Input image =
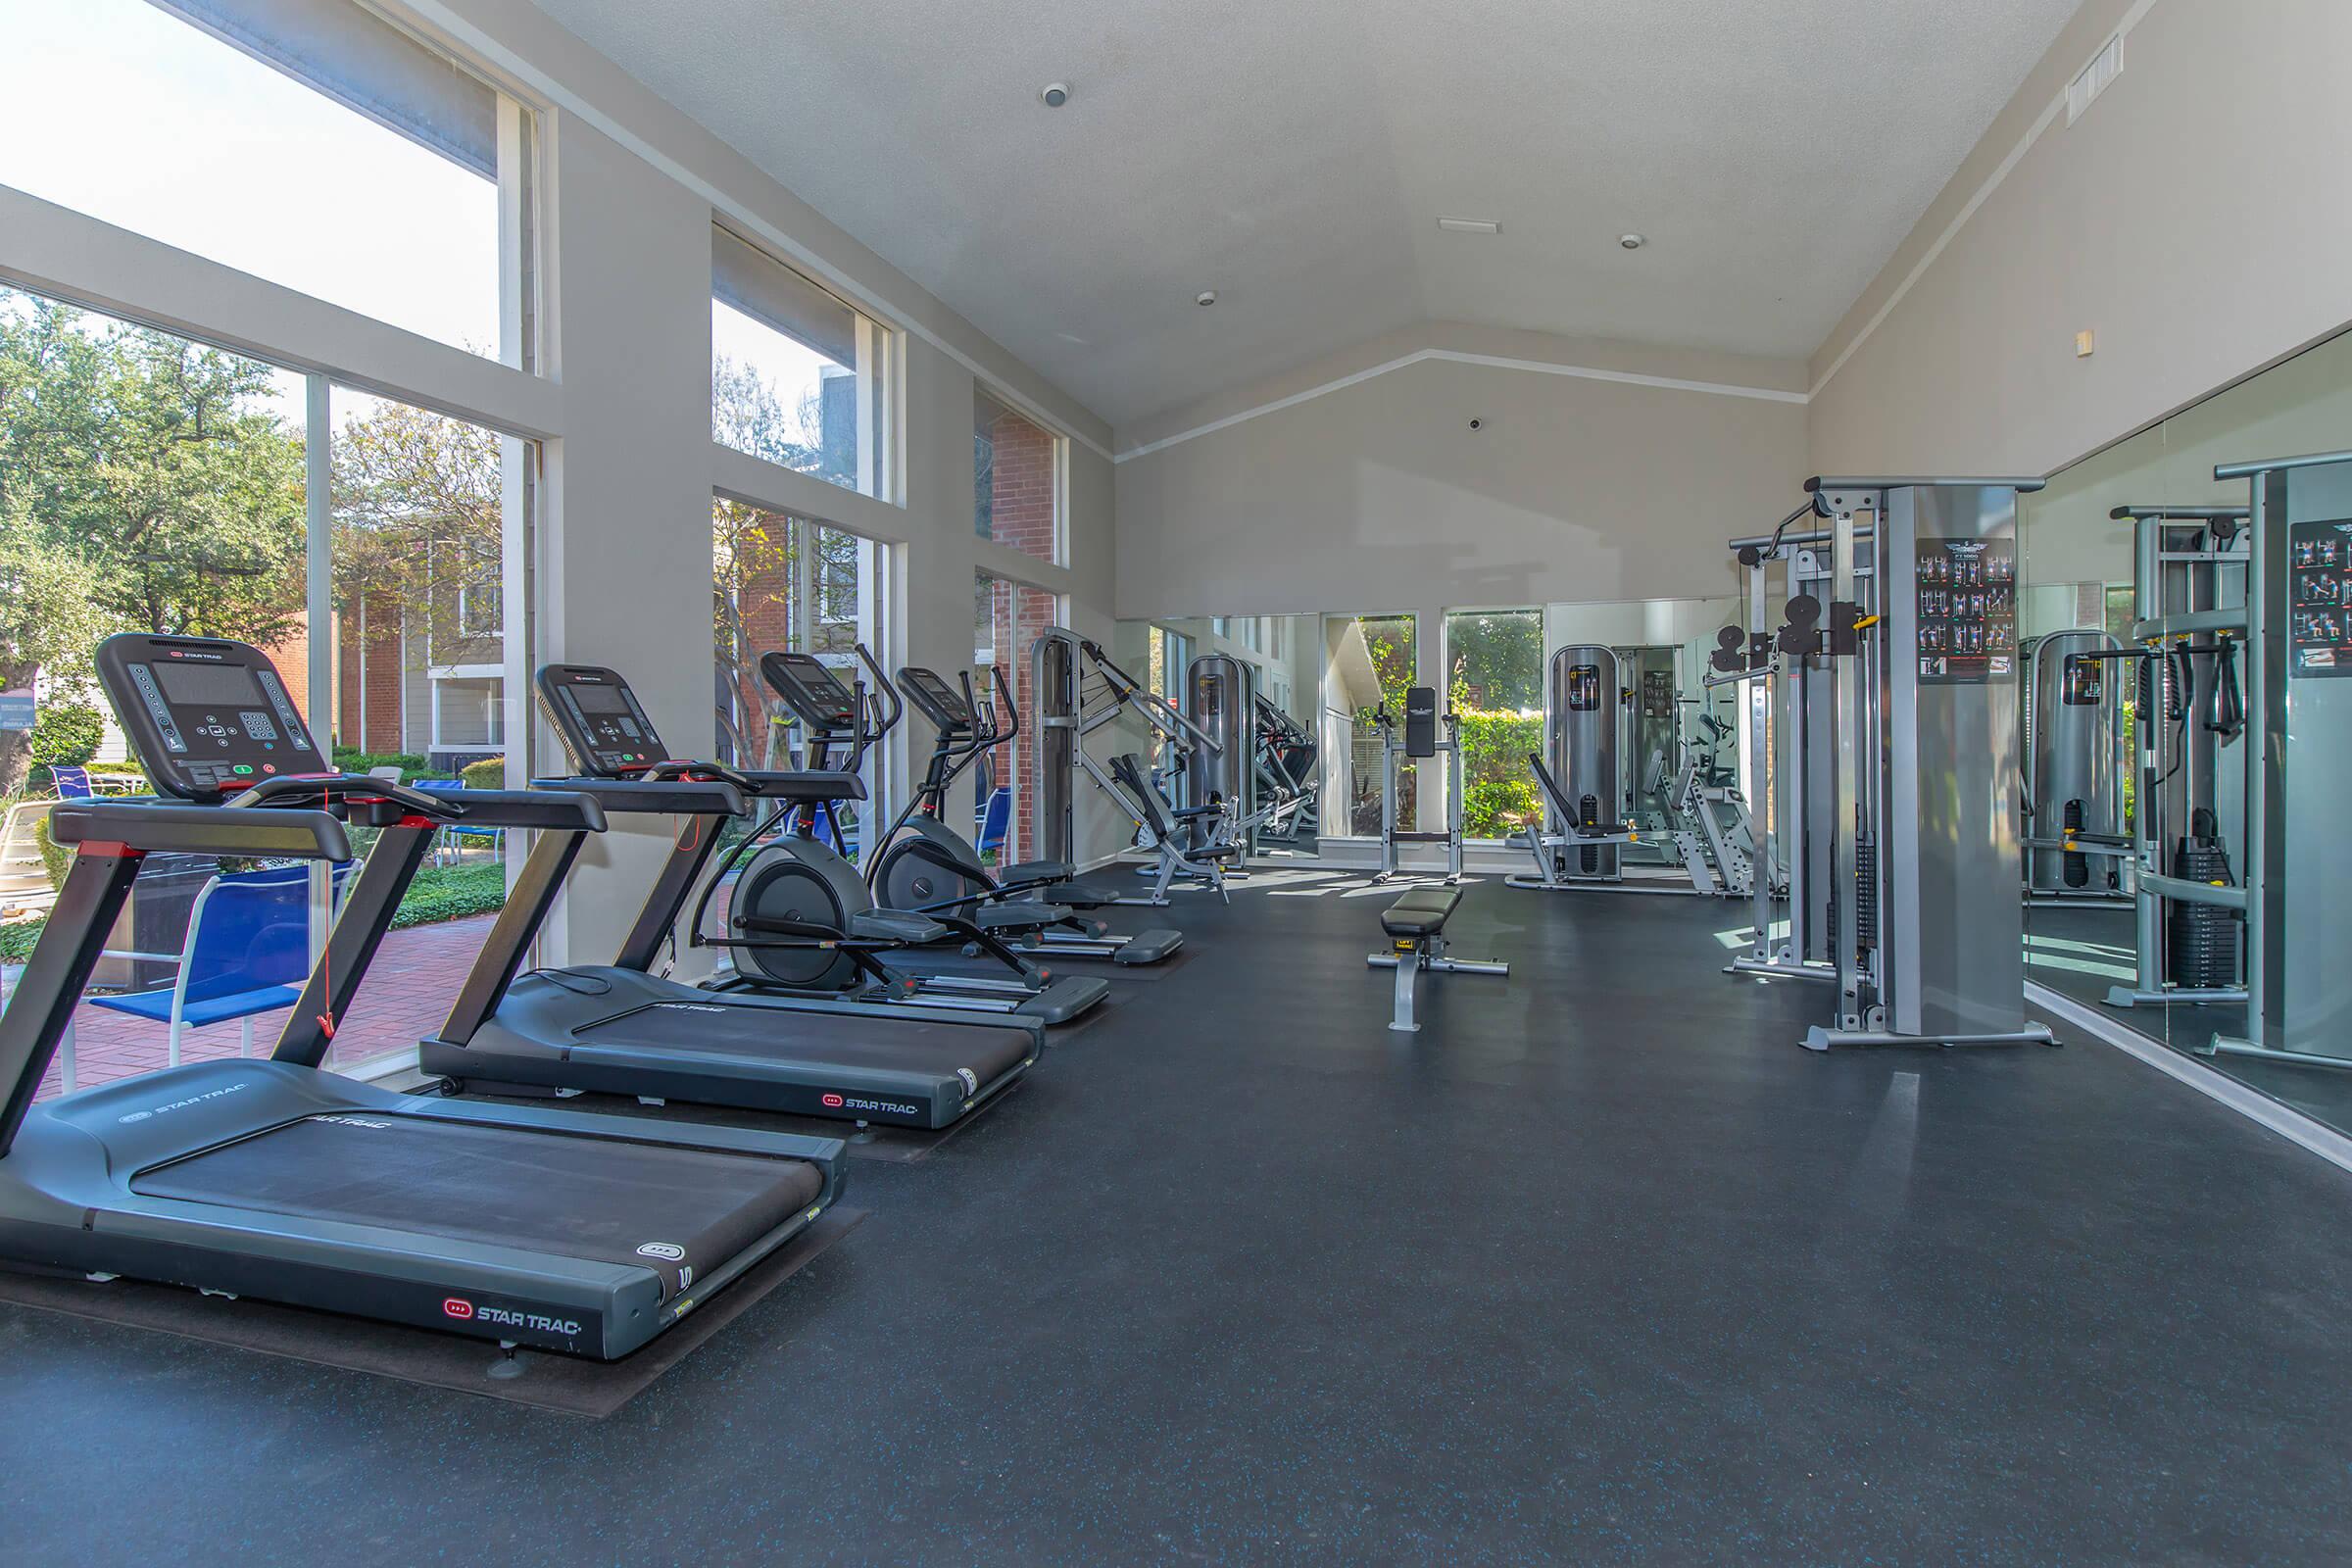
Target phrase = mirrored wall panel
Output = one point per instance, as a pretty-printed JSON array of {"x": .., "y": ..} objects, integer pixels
[
  {"x": 2172, "y": 677},
  {"x": 1316, "y": 688}
]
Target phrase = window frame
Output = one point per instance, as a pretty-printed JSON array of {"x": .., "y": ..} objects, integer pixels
[
  {"x": 873, "y": 344},
  {"x": 986, "y": 392}
]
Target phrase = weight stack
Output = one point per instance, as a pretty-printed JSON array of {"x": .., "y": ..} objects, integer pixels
[{"x": 2200, "y": 939}]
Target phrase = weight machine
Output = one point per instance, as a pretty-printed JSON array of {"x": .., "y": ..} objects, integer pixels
[
  {"x": 2298, "y": 658},
  {"x": 2073, "y": 735},
  {"x": 1079, "y": 691},
  {"x": 1587, "y": 731},
  {"x": 2192, "y": 567},
  {"x": 1417, "y": 736},
  {"x": 1902, "y": 802}
]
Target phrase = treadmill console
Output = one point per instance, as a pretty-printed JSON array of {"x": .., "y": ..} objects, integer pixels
[
  {"x": 814, "y": 693},
  {"x": 605, "y": 730},
  {"x": 207, "y": 717},
  {"x": 942, "y": 703}
]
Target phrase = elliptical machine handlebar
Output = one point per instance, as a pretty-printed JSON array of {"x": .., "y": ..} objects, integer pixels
[{"x": 874, "y": 721}]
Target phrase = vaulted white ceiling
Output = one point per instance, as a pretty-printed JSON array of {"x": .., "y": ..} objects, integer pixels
[{"x": 1295, "y": 155}]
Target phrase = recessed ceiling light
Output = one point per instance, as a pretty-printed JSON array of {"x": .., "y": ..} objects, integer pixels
[
  {"x": 1631, "y": 242},
  {"x": 1469, "y": 225},
  {"x": 1207, "y": 296},
  {"x": 1055, "y": 94}
]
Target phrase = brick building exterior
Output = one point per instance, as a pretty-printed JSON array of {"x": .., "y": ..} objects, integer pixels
[{"x": 1023, "y": 512}]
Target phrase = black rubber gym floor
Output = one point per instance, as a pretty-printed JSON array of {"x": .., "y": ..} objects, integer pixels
[
  {"x": 2081, "y": 952},
  {"x": 1601, "y": 1267}
]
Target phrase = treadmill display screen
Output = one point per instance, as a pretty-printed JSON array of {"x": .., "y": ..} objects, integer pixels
[
  {"x": 600, "y": 699},
  {"x": 208, "y": 685},
  {"x": 604, "y": 732}
]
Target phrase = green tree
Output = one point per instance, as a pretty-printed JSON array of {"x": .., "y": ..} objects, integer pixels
[
  {"x": 50, "y": 619},
  {"x": 1500, "y": 653},
  {"x": 155, "y": 461},
  {"x": 420, "y": 519}
]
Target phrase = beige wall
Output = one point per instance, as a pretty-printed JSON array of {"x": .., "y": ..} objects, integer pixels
[
  {"x": 2193, "y": 220},
  {"x": 2302, "y": 406},
  {"x": 1377, "y": 495}
]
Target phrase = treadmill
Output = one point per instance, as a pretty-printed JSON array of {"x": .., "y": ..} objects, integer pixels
[
  {"x": 279, "y": 1180},
  {"x": 619, "y": 1028}
]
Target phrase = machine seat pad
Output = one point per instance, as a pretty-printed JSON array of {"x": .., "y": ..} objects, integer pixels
[
  {"x": 1422, "y": 912},
  {"x": 1033, "y": 871},
  {"x": 1021, "y": 914},
  {"x": 889, "y": 925}
]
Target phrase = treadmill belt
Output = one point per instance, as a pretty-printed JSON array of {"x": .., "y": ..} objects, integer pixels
[
  {"x": 559, "y": 1193},
  {"x": 815, "y": 1041}
]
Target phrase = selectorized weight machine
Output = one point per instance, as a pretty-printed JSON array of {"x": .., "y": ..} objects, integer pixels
[
  {"x": 2072, "y": 737},
  {"x": 2192, "y": 569},
  {"x": 1898, "y": 715},
  {"x": 1591, "y": 734}
]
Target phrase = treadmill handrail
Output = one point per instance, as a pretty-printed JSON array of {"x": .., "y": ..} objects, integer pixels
[
  {"x": 688, "y": 796},
  {"x": 164, "y": 825},
  {"x": 806, "y": 786},
  {"x": 555, "y": 809}
]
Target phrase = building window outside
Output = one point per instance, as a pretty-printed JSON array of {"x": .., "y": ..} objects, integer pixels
[
  {"x": 795, "y": 375},
  {"x": 420, "y": 553},
  {"x": 1017, "y": 482}
]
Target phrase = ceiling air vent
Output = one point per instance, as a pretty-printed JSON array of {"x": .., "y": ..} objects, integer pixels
[{"x": 2104, "y": 67}]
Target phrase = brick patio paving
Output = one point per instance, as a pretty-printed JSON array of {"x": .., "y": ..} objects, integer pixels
[{"x": 406, "y": 995}]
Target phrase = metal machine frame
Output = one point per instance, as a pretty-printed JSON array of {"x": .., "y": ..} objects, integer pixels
[
  {"x": 2299, "y": 902},
  {"x": 1926, "y": 940},
  {"x": 1420, "y": 741},
  {"x": 2064, "y": 783},
  {"x": 2192, "y": 602},
  {"x": 1080, "y": 690}
]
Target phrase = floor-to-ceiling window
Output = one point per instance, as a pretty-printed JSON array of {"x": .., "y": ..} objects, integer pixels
[
  {"x": 783, "y": 584},
  {"x": 379, "y": 552},
  {"x": 1007, "y": 617},
  {"x": 313, "y": 146},
  {"x": 1017, "y": 482},
  {"x": 1494, "y": 686},
  {"x": 797, "y": 375},
  {"x": 1368, "y": 665}
]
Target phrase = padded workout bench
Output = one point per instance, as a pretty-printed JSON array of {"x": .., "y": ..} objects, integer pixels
[{"x": 1416, "y": 928}]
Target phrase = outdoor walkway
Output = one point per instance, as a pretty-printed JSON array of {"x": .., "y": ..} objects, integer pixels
[{"x": 406, "y": 995}]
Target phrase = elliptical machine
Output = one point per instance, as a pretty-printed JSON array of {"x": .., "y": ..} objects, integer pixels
[
  {"x": 801, "y": 919},
  {"x": 926, "y": 868}
]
